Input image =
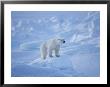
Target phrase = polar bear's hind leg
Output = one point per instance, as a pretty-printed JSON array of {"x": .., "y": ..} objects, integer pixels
[
  {"x": 43, "y": 52},
  {"x": 50, "y": 53}
]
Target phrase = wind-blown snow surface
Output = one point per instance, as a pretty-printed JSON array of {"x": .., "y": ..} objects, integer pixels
[{"x": 80, "y": 55}]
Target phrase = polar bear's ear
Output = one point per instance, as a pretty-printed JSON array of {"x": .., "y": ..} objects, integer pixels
[{"x": 58, "y": 39}]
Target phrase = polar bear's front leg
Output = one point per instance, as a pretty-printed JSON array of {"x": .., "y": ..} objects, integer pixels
[{"x": 57, "y": 52}]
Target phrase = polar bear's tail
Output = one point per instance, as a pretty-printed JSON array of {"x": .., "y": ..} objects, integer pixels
[{"x": 43, "y": 51}]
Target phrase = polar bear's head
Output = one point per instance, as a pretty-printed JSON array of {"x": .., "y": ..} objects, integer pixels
[{"x": 61, "y": 41}]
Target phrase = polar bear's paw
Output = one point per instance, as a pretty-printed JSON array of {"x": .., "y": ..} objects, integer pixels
[
  {"x": 57, "y": 55},
  {"x": 50, "y": 56}
]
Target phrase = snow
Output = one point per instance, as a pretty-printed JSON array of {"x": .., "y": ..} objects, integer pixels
[{"x": 79, "y": 56}]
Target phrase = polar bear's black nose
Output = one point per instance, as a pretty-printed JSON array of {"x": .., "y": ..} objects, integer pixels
[{"x": 63, "y": 41}]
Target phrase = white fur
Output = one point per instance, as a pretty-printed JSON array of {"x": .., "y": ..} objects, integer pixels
[{"x": 49, "y": 46}]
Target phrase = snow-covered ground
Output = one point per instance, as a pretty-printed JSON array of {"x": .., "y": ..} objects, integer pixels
[{"x": 80, "y": 55}]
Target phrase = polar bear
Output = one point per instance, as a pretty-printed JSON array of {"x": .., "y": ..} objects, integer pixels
[{"x": 49, "y": 46}]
